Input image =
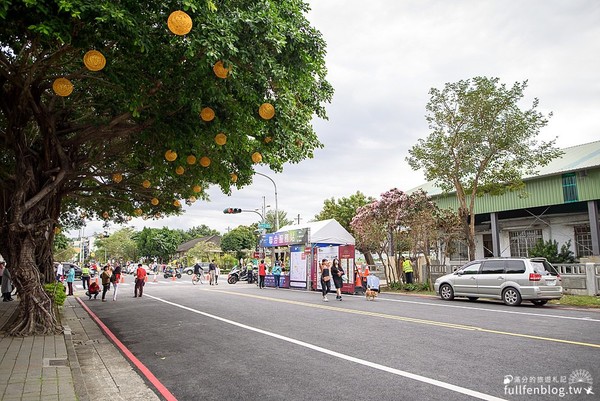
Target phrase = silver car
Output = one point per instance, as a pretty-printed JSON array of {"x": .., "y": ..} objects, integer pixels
[{"x": 510, "y": 279}]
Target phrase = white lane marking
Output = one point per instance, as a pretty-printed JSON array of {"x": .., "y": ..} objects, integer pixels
[
  {"x": 587, "y": 319},
  {"x": 398, "y": 372}
]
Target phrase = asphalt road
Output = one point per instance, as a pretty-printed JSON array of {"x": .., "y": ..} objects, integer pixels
[{"x": 231, "y": 342}]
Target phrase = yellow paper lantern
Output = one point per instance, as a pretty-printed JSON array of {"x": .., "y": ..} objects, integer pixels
[
  {"x": 154, "y": 201},
  {"x": 220, "y": 70},
  {"x": 207, "y": 114},
  {"x": 266, "y": 111},
  {"x": 146, "y": 184},
  {"x": 268, "y": 139},
  {"x": 105, "y": 215},
  {"x": 179, "y": 23},
  {"x": 176, "y": 203},
  {"x": 197, "y": 188},
  {"x": 234, "y": 177},
  {"x": 157, "y": 215},
  {"x": 191, "y": 159},
  {"x": 137, "y": 212},
  {"x": 94, "y": 60},
  {"x": 117, "y": 177},
  {"x": 62, "y": 87},
  {"x": 56, "y": 230},
  {"x": 256, "y": 157},
  {"x": 179, "y": 170},
  {"x": 221, "y": 139},
  {"x": 170, "y": 155},
  {"x": 205, "y": 161},
  {"x": 192, "y": 199}
]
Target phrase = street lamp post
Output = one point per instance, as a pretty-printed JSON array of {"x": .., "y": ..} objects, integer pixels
[{"x": 276, "y": 208}]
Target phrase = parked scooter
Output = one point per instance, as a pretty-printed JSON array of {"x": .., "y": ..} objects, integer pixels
[
  {"x": 236, "y": 274},
  {"x": 169, "y": 273}
]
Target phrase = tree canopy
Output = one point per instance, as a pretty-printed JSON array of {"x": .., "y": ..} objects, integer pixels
[
  {"x": 481, "y": 141},
  {"x": 240, "y": 240},
  {"x": 147, "y": 121}
]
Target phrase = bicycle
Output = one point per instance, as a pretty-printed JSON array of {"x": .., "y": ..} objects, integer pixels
[{"x": 197, "y": 278}]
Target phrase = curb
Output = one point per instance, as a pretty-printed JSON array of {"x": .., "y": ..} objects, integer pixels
[{"x": 78, "y": 379}]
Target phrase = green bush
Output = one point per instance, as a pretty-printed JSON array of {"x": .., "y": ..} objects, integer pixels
[{"x": 57, "y": 293}]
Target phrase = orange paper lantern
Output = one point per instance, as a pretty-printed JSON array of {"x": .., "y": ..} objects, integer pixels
[
  {"x": 154, "y": 201},
  {"x": 117, "y": 177},
  {"x": 220, "y": 70},
  {"x": 192, "y": 199},
  {"x": 191, "y": 159},
  {"x": 234, "y": 177},
  {"x": 94, "y": 60},
  {"x": 137, "y": 212},
  {"x": 205, "y": 161},
  {"x": 221, "y": 139},
  {"x": 146, "y": 184},
  {"x": 197, "y": 188},
  {"x": 62, "y": 87},
  {"x": 179, "y": 23},
  {"x": 268, "y": 139},
  {"x": 207, "y": 114},
  {"x": 179, "y": 170},
  {"x": 266, "y": 111},
  {"x": 176, "y": 203},
  {"x": 256, "y": 157},
  {"x": 105, "y": 215}
]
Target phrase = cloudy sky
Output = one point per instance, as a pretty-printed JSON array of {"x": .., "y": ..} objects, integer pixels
[{"x": 383, "y": 58}]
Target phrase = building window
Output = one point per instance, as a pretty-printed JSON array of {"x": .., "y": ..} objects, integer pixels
[
  {"x": 569, "y": 184},
  {"x": 583, "y": 241},
  {"x": 522, "y": 241},
  {"x": 459, "y": 251}
]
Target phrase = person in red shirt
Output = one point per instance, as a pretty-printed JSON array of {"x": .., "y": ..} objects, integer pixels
[
  {"x": 262, "y": 272},
  {"x": 140, "y": 280}
]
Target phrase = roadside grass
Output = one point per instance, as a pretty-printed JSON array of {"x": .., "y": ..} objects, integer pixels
[{"x": 588, "y": 301}]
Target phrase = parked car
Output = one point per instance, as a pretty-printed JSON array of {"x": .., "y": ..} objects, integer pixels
[
  {"x": 189, "y": 270},
  {"x": 510, "y": 279}
]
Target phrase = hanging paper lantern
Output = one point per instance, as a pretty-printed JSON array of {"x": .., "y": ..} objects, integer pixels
[
  {"x": 268, "y": 139},
  {"x": 179, "y": 170},
  {"x": 191, "y": 159},
  {"x": 117, "y": 177},
  {"x": 234, "y": 177},
  {"x": 205, "y": 161},
  {"x": 192, "y": 199},
  {"x": 207, "y": 114},
  {"x": 105, "y": 215},
  {"x": 56, "y": 230},
  {"x": 154, "y": 201},
  {"x": 170, "y": 155},
  {"x": 197, "y": 188},
  {"x": 94, "y": 60},
  {"x": 221, "y": 139},
  {"x": 256, "y": 157},
  {"x": 179, "y": 23},
  {"x": 62, "y": 87},
  {"x": 146, "y": 184},
  {"x": 128, "y": 218},
  {"x": 157, "y": 215},
  {"x": 266, "y": 111},
  {"x": 138, "y": 212},
  {"x": 220, "y": 70},
  {"x": 176, "y": 203}
]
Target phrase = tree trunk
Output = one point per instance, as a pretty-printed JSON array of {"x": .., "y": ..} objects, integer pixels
[
  {"x": 468, "y": 225},
  {"x": 36, "y": 312}
]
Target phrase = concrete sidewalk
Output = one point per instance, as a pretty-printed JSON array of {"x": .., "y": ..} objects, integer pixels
[{"x": 80, "y": 364}]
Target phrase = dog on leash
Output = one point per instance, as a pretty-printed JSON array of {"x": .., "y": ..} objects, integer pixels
[{"x": 370, "y": 294}]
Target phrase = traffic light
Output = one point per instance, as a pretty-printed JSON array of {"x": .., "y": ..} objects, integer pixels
[{"x": 231, "y": 210}]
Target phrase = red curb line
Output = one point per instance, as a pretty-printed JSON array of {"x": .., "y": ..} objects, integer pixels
[{"x": 145, "y": 371}]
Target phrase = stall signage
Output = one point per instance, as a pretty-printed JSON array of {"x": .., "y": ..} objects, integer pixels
[{"x": 298, "y": 236}]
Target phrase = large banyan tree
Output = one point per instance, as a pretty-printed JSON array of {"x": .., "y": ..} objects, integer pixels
[{"x": 114, "y": 109}]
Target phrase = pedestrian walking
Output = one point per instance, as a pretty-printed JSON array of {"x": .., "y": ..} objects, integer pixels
[
  {"x": 85, "y": 276},
  {"x": 217, "y": 272},
  {"x": 140, "y": 281},
  {"x": 105, "y": 277},
  {"x": 276, "y": 272},
  {"x": 262, "y": 272},
  {"x": 116, "y": 279},
  {"x": 70, "y": 279},
  {"x": 325, "y": 279},
  {"x": 6, "y": 286},
  {"x": 59, "y": 272},
  {"x": 212, "y": 270},
  {"x": 337, "y": 272}
]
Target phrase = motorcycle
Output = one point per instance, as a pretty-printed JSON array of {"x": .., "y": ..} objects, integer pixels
[
  {"x": 169, "y": 274},
  {"x": 236, "y": 275}
]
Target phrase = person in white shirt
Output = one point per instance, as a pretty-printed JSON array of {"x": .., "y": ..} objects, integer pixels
[{"x": 59, "y": 272}]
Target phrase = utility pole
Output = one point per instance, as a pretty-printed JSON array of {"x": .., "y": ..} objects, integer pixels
[{"x": 298, "y": 218}]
